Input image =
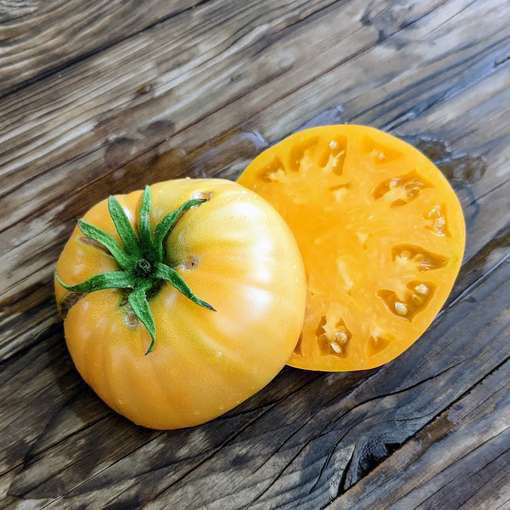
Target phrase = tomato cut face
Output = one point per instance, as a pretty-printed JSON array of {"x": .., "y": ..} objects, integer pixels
[{"x": 382, "y": 236}]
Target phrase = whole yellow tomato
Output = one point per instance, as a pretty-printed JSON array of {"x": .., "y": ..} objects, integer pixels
[{"x": 182, "y": 301}]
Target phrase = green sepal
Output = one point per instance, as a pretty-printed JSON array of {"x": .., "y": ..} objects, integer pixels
[
  {"x": 101, "y": 281},
  {"x": 141, "y": 256},
  {"x": 165, "y": 272},
  {"x": 144, "y": 224},
  {"x": 96, "y": 234},
  {"x": 166, "y": 225},
  {"x": 123, "y": 226},
  {"x": 140, "y": 305}
]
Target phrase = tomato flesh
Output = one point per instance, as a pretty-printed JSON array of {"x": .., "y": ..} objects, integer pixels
[{"x": 381, "y": 232}]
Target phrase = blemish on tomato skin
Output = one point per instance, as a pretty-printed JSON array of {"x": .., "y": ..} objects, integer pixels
[
  {"x": 190, "y": 263},
  {"x": 130, "y": 319},
  {"x": 202, "y": 195},
  {"x": 66, "y": 304}
]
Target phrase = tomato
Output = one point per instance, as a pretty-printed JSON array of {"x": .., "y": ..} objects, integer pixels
[
  {"x": 381, "y": 232},
  {"x": 179, "y": 346}
]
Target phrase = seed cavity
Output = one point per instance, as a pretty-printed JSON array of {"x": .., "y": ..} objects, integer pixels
[
  {"x": 418, "y": 258},
  {"x": 301, "y": 159},
  {"x": 403, "y": 258},
  {"x": 401, "y": 308},
  {"x": 342, "y": 337},
  {"x": 330, "y": 156},
  {"x": 333, "y": 336},
  {"x": 273, "y": 171},
  {"x": 400, "y": 191},
  {"x": 410, "y": 299},
  {"x": 422, "y": 289},
  {"x": 336, "y": 347},
  {"x": 436, "y": 221},
  {"x": 379, "y": 153},
  {"x": 333, "y": 163},
  {"x": 377, "y": 342},
  {"x": 277, "y": 176}
]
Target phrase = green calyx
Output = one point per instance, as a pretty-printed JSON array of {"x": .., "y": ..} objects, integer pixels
[{"x": 141, "y": 258}]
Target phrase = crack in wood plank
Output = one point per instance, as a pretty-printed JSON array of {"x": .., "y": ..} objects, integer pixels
[{"x": 431, "y": 424}]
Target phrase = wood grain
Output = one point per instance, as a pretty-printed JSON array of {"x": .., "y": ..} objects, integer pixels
[
  {"x": 461, "y": 459},
  {"x": 39, "y": 38},
  {"x": 127, "y": 145},
  {"x": 201, "y": 93}
]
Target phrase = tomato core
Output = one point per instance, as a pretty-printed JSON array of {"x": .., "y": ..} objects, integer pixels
[
  {"x": 143, "y": 268},
  {"x": 140, "y": 277}
]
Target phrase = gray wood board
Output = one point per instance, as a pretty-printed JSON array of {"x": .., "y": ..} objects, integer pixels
[{"x": 200, "y": 90}]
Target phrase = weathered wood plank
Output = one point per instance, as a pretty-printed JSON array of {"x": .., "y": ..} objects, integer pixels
[
  {"x": 460, "y": 460},
  {"x": 202, "y": 98},
  {"x": 292, "y": 450},
  {"x": 68, "y": 188},
  {"x": 492, "y": 255},
  {"x": 176, "y": 74},
  {"x": 40, "y": 38}
]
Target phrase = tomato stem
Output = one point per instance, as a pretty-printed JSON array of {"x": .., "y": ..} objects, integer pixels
[{"x": 141, "y": 259}]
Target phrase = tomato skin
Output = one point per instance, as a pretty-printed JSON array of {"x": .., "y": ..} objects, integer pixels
[
  {"x": 357, "y": 199},
  {"x": 236, "y": 253}
]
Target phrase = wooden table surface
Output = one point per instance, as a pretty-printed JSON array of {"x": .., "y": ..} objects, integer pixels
[{"x": 103, "y": 96}]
